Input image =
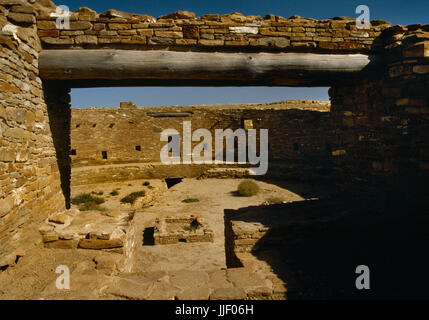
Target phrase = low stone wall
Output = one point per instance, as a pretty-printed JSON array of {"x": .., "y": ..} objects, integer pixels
[
  {"x": 182, "y": 29},
  {"x": 173, "y": 230}
]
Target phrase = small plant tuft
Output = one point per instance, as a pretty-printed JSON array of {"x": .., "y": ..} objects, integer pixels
[
  {"x": 146, "y": 183},
  {"x": 87, "y": 202},
  {"x": 190, "y": 200},
  {"x": 132, "y": 197},
  {"x": 248, "y": 188},
  {"x": 114, "y": 193}
]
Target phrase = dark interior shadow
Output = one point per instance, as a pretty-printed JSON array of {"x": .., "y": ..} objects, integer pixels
[
  {"x": 57, "y": 98},
  {"x": 316, "y": 246},
  {"x": 148, "y": 239}
]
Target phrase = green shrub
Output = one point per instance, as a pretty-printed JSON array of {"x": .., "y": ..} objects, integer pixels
[
  {"x": 190, "y": 200},
  {"x": 87, "y": 202},
  {"x": 132, "y": 197},
  {"x": 86, "y": 198},
  {"x": 114, "y": 193},
  {"x": 91, "y": 206},
  {"x": 248, "y": 188},
  {"x": 146, "y": 183},
  {"x": 97, "y": 193}
]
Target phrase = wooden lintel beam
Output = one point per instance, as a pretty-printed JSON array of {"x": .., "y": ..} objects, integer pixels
[{"x": 164, "y": 67}]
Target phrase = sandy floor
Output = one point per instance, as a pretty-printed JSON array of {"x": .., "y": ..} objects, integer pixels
[{"x": 215, "y": 196}]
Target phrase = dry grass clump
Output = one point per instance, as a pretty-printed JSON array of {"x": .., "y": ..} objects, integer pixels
[
  {"x": 190, "y": 200},
  {"x": 248, "y": 188},
  {"x": 87, "y": 202},
  {"x": 132, "y": 197}
]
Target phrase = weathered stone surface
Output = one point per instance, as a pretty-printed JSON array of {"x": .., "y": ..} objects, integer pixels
[
  {"x": 22, "y": 18},
  {"x": 179, "y": 15},
  {"x": 198, "y": 293},
  {"x": 62, "y": 244},
  {"x": 228, "y": 294},
  {"x": 59, "y": 218},
  {"x": 7, "y": 260},
  {"x": 80, "y": 25},
  {"x": 6, "y": 204},
  {"x": 100, "y": 244},
  {"x": 129, "y": 289},
  {"x": 86, "y": 40},
  {"x": 187, "y": 278},
  {"x": 109, "y": 263}
]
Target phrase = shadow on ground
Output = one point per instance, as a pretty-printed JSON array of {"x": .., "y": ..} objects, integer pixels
[{"x": 315, "y": 246}]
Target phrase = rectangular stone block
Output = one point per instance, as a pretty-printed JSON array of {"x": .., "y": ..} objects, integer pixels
[
  {"x": 100, "y": 244},
  {"x": 169, "y": 34},
  {"x": 205, "y": 42}
]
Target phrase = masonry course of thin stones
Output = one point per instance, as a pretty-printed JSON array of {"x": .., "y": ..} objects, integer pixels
[
  {"x": 119, "y": 130},
  {"x": 380, "y": 132},
  {"x": 29, "y": 177},
  {"x": 183, "y": 29}
]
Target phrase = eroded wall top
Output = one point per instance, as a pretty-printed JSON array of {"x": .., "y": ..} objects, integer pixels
[{"x": 182, "y": 30}]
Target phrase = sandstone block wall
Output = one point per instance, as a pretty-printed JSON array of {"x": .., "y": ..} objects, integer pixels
[
  {"x": 179, "y": 30},
  {"x": 29, "y": 176},
  {"x": 299, "y": 131},
  {"x": 380, "y": 125}
]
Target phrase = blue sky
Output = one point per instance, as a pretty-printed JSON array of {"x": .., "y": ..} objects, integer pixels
[{"x": 395, "y": 11}]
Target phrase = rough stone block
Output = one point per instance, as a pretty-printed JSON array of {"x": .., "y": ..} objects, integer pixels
[
  {"x": 100, "y": 244},
  {"x": 228, "y": 294},
  {"x": 22, "y": 18}
]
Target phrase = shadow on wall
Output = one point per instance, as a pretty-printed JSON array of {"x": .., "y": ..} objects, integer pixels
[
  {"x": 316, "y": 246},
  {"x": 57, "y": 98}
]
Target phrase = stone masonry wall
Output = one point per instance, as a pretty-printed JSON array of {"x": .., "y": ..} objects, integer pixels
[
  {"x": 380, "y": 136},
  {"x": 180, "y": 30},
  {"x": 299, "y": 131},
  {"x": 29, "y": 176}
]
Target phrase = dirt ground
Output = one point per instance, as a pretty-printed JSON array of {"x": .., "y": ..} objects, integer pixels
[{"x": 34, "y": 276}]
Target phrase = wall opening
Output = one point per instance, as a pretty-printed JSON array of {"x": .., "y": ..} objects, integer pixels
[
  {"x": 104, "y": 154},
  {"x": 138, "y": 148},
  {"x": 171, "y": 182},
  {"x": 296, "y": 146}
]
